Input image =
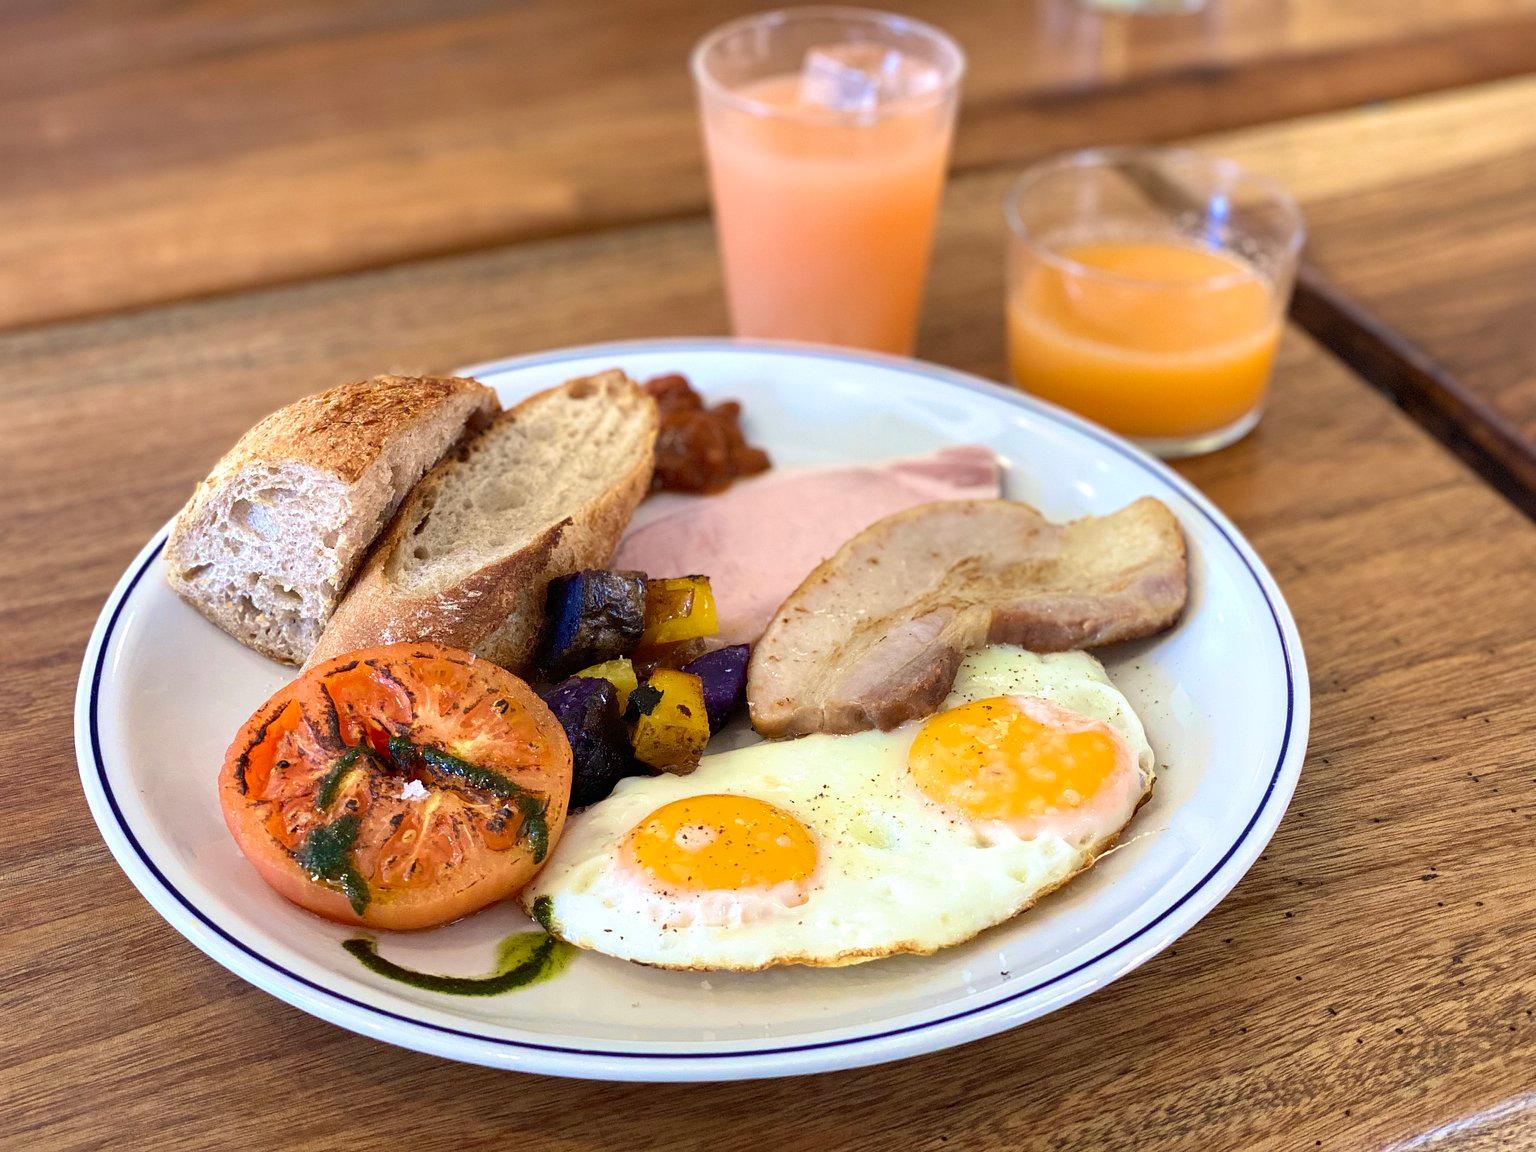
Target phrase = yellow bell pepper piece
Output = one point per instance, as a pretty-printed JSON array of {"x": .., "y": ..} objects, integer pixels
[
  {"x": 678, "y": 608},
  {"x": 620, "y": 673}
]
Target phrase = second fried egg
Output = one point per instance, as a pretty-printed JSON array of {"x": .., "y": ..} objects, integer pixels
[{"x": 835, "y": 849}]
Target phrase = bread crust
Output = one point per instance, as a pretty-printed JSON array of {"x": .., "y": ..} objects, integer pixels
[
  {"x": 343, "y": 429},
  {"x": 374, "y": 612},
  {"x": 498, "y": 611},
  {"x": 337, "y": 435}
]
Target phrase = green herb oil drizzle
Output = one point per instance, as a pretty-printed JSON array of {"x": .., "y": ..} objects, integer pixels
[
  {"x": 522, "y": 959},
  {"x": 327, "y": 857},
  {"x": 544, "y": 913},
  {"x": 330, "y": 783}
]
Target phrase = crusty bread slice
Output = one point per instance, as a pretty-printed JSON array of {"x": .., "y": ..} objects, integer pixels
[
  {"x": 546, "y": 490},
  {"x": 268, "y": 542}
]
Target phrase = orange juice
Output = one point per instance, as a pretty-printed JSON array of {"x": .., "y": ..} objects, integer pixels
[
  {"x": 825, "y": 221},
  {"x": 1157, "y": 339}
]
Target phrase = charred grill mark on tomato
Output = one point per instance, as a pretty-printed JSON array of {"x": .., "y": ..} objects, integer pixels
[
  {"x": 395, "y": 680},
  {"x": 465, "y": 708},
  {"x": 243, "y": 764},
  {"x": 332, "y": 734}
]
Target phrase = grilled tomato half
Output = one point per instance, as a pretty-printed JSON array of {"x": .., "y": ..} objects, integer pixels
[{"x": 398, "y": 787}]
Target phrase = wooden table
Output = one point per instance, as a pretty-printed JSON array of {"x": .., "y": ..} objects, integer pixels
[
  {"x": 153, "y": 152},
  {"x": 1370, "y": 982}
]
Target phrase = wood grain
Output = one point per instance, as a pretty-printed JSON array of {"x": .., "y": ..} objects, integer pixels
[
  {"x": 1370, "y": 981},
  {"x": 153, "y": 152},
  {"x": 1422, "y": 258}
]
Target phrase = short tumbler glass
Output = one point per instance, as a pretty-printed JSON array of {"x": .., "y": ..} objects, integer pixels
[{"x": 1147, "y": 290}]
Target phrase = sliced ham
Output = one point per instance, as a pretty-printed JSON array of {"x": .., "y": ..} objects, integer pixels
[
  {"x": 875, "y": 635},
  {"x": 759, "y": 539}
]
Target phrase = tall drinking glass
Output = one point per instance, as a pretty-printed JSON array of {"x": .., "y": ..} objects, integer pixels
[
  {"x": 827, "y": 131},
  {"x": 1147, "y": 290}
]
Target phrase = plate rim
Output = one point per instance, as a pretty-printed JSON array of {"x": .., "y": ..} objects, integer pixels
[{"x": 878, "y": 1045}]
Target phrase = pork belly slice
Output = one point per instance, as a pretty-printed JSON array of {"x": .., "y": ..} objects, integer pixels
[
  {"x": 875, "y": 635},
  {"x": 759, "y": 539}
]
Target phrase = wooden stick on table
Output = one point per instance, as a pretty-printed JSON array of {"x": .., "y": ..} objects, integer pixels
[{"x": 1421, "y": 258}]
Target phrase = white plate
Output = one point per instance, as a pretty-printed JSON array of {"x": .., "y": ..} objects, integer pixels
[{"x": 1224, "y": 698}]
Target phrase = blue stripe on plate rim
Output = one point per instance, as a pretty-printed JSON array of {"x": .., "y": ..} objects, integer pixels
[{"x": 101, "y": 643}]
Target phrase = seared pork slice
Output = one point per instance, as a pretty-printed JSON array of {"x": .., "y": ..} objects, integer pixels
[
  {"x": 874, "y": 636},
  {"x": 756, "y": 542}
]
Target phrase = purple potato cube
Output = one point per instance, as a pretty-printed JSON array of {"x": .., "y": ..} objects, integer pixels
[
  {"x": 593, "y": 616},
  {"x": 724, "y": 673},
  {"x": 588, "y": 710}
]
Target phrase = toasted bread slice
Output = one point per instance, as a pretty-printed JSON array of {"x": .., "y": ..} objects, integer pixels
[
  {"x": 545, "y": 490},
  {"x": 874, "y": 636},
  {"x": 269, "y": 541}
]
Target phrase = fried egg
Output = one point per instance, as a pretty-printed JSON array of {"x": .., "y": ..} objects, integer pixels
[{"x": 832, "y": 850}]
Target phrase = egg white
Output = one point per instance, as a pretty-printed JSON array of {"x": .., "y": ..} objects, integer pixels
[{"x": 896, "y": 872}]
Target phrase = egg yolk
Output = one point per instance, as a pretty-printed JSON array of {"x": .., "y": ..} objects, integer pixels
[
  {"x": 709, "y": 843},
  {"x": 993, "y": 760}
]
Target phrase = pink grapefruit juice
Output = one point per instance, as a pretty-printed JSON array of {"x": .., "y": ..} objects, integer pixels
[{"x": 825, "y": 219}]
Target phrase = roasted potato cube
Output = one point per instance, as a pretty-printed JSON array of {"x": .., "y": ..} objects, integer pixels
[
  {"x": 620, "y": 673},
  {"x": 588, "y": 710},
  {"x": 724, "y": 673},
  {"x": 678, "y": 608},
  {"x": 671, "y": 724},
  {"x": 647, "y": 659},
  {"x": 594, "y": 615}
]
